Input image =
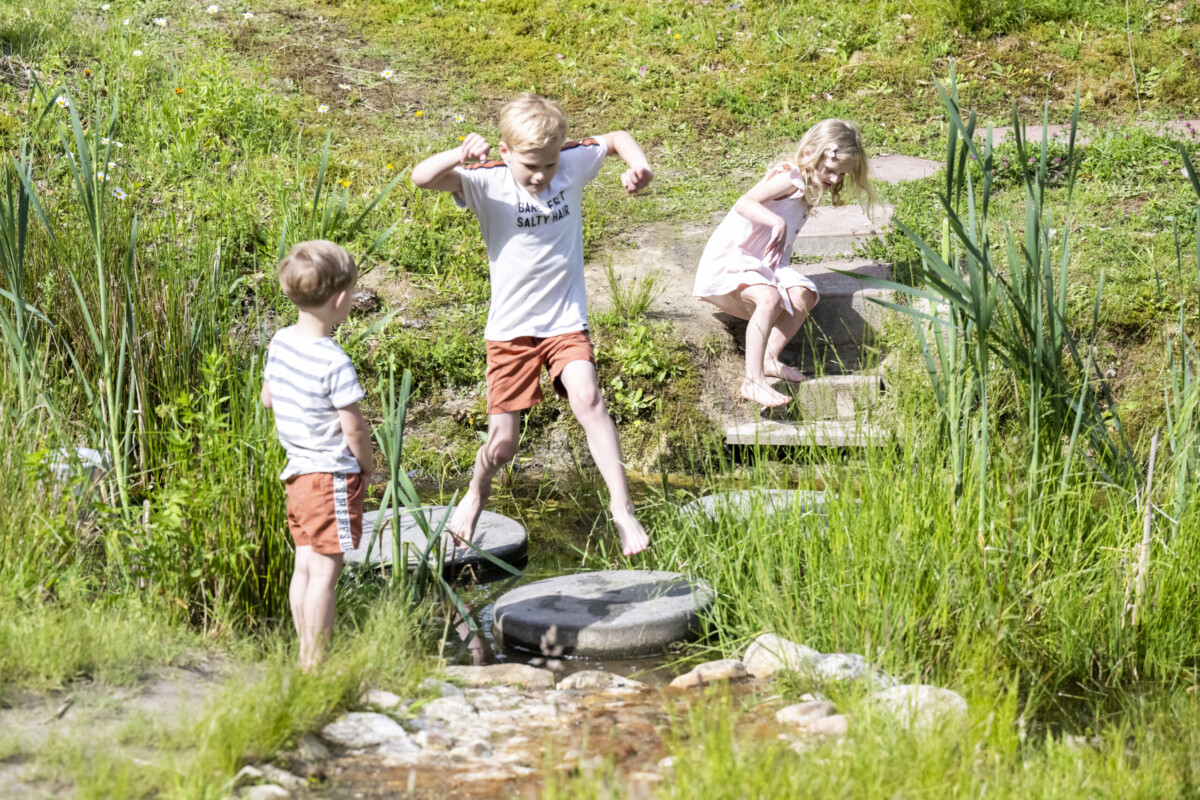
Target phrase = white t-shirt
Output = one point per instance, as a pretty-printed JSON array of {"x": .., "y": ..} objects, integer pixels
[
  {"x": 310, "y": 379},
  {"x": 534, "y": 243}
]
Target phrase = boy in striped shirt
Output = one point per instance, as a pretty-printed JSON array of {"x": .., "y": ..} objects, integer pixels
[{"x": 311, "y": 386}]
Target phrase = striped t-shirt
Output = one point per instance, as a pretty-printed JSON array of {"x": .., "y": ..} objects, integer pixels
[{"x": 310, "y": 379}]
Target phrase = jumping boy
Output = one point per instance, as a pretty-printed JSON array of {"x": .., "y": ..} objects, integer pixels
[
  {"x": 312, "y": 388},
  {"x": 528, "y": 204}
]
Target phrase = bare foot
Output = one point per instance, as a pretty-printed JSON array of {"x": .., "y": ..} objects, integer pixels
[
  {"x": 763, "y": 395},
  {"x": 466, "y": 515},
  {"x": 633, "y": 536},
  {"x": 777, "y": 369}
]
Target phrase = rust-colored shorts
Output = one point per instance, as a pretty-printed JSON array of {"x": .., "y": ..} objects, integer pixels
[
  {"x": 324, "y": 511},
  {"x": 514, "y": 368}
]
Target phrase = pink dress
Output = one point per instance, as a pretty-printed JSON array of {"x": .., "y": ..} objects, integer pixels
[{"x": 735, "y": 254}]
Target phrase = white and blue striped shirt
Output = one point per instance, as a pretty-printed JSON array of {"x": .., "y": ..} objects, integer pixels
[{"x": 310, "y": 379}]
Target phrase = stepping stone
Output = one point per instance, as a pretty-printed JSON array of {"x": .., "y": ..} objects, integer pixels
[
  {"x": 500, "y": 536},
  {"x": 829, "y": 397},
  {"x": 822, "y": 433},
  {"x": 1187, "y": 128},
  {"x": 897, "y": 169},
  {"x": 743, "y": 503},
  {"x": 833, "y": 231},
  {"x": 845, "y": 313},
  {"x": 614, "y": 613}
]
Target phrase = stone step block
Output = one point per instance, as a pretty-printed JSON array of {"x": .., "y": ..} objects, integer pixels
[
  {"x": 821, "y": 433},
  {"x": 833, "y": 231},
  {"x": 842, "y": 397},
  {"x": 898, "y": 169}
]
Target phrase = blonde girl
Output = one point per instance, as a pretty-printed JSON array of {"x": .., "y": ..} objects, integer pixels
[{"x": 744, "y": 270}]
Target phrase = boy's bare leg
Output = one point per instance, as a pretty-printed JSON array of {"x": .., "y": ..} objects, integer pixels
[
  {"x": 319, "y": 599},
  {"x": 504, "y": 432},
  {"x": 296, "y": 592},
  {"x": 587, "y": 404},
  {"x": 786, "y": 326}
]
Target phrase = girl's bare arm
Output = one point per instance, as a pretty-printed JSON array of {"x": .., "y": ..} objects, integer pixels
[{"x": 750, "y": 205}]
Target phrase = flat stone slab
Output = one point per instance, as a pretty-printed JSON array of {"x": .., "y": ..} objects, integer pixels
[
  {"x": 897, "y": 169},
  {"x": 1187, "y": 128},
  {"x": 747, "y": 501},
  {"x": 829, "y": 397},
  {"x": 612, "y": 613},
  {"x": 822, "y": 433},
  {"x": 832, "y": 231},
  {"x": 499, "y": 535}
]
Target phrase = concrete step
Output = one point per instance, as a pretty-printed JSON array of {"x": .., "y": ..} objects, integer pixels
[
  {"x": 898, "y": 169},
  {"x": 1188, "y": 129},
  {"x": 843, "y": 322},
  {"x": 831, "y": 231},
  {"x": 841, "y": 397},
  {"x": 821, "y": 433}
]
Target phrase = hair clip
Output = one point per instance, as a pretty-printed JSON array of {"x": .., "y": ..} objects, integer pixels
[{"x": 831, "y": 151}]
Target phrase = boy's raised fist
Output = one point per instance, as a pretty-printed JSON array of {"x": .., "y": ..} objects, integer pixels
[{"x": 473, "y": 148}]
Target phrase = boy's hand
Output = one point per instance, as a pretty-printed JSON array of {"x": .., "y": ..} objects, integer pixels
[
  {"x": 635, "y": 179},
  {"x": 473, "y": 148}
]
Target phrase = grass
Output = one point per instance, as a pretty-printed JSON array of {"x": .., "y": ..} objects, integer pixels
[{"x": 138, "y": 323}]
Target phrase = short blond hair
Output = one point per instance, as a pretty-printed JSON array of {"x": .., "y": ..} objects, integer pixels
[
  {"x": 532, "y": 122},
  {"x": 315, "y": 271}
]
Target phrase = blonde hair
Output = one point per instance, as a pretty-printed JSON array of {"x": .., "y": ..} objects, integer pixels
[
  {"x": 531, "y": 122},
  {"x": 315, "y": 271},
  {"x": 845, "y": 139}
]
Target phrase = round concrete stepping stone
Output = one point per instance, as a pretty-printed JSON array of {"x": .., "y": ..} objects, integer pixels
[
  {"x": 500, "y": 536},
  {"x": 615, "y": 613},
  {"x": 743, "y": 503}
]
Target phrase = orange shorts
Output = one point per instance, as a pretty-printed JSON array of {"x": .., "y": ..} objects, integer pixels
[
  {"x": 324, "y": 511},
  {"x": 514, "y": 368}
]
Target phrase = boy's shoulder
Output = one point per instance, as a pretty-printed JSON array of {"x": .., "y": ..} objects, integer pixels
[
  {"x": 591, "y": 141},
  {"x": 285, "y": 343}
]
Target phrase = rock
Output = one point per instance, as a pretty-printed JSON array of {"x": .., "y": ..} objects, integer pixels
[
  {"x": 364, "y": 729},
  {"x": 645, "y": 777},
  {"x": 769, "y": 653},
  {"x": 742, "y": 504},
  {"x": 472, "y": 749},
  {"x": 840, "y": 667},
  {"x": 265, "y": 791},
  {"x": 596, "y": 679},
  {"x": 441, "y": 688},
  {"x": 811, "y": 697},
  {"x": 667, "y": 763},
  {"x": 448, "y": 709},
  {"x": 381, "y": 699},
  {"x": 832, "y": 726},
  {"x": 921, "y": 707},
  {"x": 614, "y": 613},
  {"x": 246, "y": 775},
  {"x": 726, "y": 669},
  {"x": 511, "y": 674},
  {"x": 282, "y": 777},
  {"x": 363, "y": 301},
  {"x": 804, "y": 714},
  {"x": 312, "y": 749}
]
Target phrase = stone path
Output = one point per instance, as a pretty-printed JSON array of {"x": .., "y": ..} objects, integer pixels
[
  {"x": 617, "y": 613},
  {"x": 502, "y": 728},
  {"x": 503, "y": 538}
]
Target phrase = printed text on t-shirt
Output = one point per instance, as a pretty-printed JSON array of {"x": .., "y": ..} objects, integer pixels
[{"x": 530, "y": 215}]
